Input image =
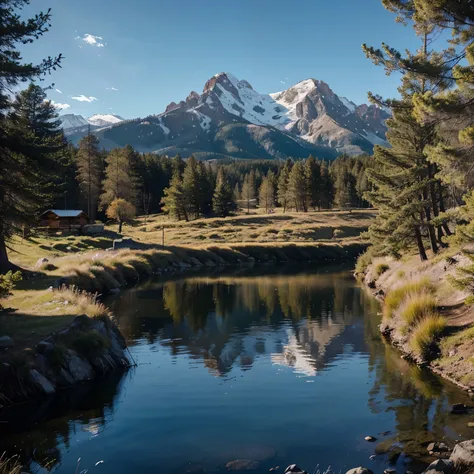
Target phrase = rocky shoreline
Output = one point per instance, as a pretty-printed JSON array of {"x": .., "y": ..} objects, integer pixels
[
  {"x": 88, "y": 349},
  {"x": 452, "y": 365},
  {"x": 458, "y": 461}
]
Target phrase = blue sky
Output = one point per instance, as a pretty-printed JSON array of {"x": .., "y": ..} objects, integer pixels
[{"x": 147, "y": 53}]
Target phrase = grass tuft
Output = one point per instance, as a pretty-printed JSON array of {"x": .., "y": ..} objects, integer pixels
[
  {"x": 416, "y": 307},
  {"x": 9, "y": 465},
  {"x": 396, "y": 297},
  {"x": 426, "y": 333}
]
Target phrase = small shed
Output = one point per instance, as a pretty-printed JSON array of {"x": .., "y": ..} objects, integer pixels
[{"x": 63, "y": 219}]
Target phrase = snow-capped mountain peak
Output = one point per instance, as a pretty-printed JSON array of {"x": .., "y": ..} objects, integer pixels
[
  {"x": 102, "y": 120},
  {"x": 231, "y": 119}
]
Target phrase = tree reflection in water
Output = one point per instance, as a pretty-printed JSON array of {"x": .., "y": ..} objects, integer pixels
[{"x": 307, "y": 321}]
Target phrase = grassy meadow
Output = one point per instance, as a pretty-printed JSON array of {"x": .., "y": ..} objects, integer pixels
[{"x": 35, "y": 310}]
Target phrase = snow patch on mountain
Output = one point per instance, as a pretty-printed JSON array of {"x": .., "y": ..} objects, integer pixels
[
  {"x": 250, "y": 105},
  {"x": 102, "y": 120},
  {"x": 348, "y": 103}
]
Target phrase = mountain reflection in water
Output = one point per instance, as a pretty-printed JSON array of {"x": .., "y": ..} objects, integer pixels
[{"x": 278, "y": 366}]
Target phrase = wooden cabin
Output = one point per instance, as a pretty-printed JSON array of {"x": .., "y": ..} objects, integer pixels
[{"x": 55, "y": 219}]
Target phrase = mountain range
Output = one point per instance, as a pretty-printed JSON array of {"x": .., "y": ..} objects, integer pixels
[{"x": 231, "y": 119}]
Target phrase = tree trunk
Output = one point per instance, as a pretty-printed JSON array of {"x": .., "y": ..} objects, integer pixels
[
  {"x": 445, "y": 226},
  {"x": 5, "y": 264},
  {"x": 120, "y": 227},
  {"x": 419, "y": 243},
  {"x": 431, "y": 230}
]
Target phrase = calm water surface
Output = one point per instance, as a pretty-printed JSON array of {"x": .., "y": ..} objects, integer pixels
[{"x": 277, "y": 366}]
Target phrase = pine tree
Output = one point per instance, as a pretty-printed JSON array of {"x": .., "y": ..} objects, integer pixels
[
  {"x": 237, "y": 194},
  {"x": 206, "y": 186},
  {"x": 419, "y": 136},
  {"x": 313, "y": 182},
  {"x": 283, "y": 184},
  {"x": 326, "y": 189},
  {"x": 120, "y": 181},
  {"x": 192, "y": 187},
  {"x": 248, "y": 189},
  {"x": 223, "y": 202},
  {"x": 18, "y": 167},
  {"x": 267, "y": 194},
  {"x": 173, "y": 201},
  {"x": 36, "y": 120},
  {"x": 297, "y": 188},
  {"x": 89, "y": 171}
]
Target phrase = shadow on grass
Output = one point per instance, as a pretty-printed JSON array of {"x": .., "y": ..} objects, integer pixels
[{"x": 27, "y": 330}]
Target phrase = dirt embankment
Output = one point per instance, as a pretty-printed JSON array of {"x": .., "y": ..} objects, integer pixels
[{"x": 450, "y": 352}]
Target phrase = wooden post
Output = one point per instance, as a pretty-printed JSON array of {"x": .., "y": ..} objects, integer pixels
[{"x": 163, "y": 237}]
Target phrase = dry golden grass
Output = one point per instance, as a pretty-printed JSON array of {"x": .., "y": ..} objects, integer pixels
[
  {"x": 32, "y": 315},
  {"x": 426, "y": 333},
  {"x": 9, "y": 465},
  {"x": 254, "y": 228},
  {"x": 415, "y": 308},
  {"x": 396, "y": 297}
]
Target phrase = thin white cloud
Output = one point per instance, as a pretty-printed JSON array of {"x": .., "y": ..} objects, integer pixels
[
  {"x": 83, "y": 98},
  {"x": 92, "y": 40},
  {"x": 282, "y": 82},
  {"x": 60, "y": 106},
  {"x": 111, "y": 89},
  {"x": 58, "y": 91}
]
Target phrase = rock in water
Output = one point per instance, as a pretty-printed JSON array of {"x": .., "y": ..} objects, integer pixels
[
  {"x": 437, "y": 447},
  {"x": 463, "y": 453},
  {"x": 440, "y": 466},
  {"x": 6, "y": 342},
  {"x": 293, "y": 468},
  {"x": 242, "y": 465},
  {"x": 370, "y": 439},
  {"x": 360, "y": 470},
  {"x": 41, "y": 382},
  {"x": 459, "y": 409}
]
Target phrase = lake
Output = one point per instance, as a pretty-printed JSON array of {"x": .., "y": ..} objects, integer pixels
[{"x": 278, "y": 365}]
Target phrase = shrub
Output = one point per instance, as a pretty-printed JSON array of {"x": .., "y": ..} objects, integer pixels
[
  {"x": 364, "y": 260},
  {"x": 426, "y": 333},
  {"x": 337, "y": 234},
  {"x": 400, "y": 274},
  {"x": 416, "y": 307},
  {"x": 7, "y": 283},
  {"x": 397, "y": 296},
  {"x": 381, "y": 268}
]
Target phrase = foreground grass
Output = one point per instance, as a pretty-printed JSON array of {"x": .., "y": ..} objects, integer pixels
[
  {"x": 426, "y": 333},
  {"x": 9, "y": 465},
  {"x": 32, "y": 315},
  {"x": 417, "y": 307},
  {"x": 427, "y": 318},
  {"x": 397, "y": 296}
]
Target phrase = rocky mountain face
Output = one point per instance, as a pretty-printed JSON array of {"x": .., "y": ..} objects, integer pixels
[{"x": 231, "y": 119}]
